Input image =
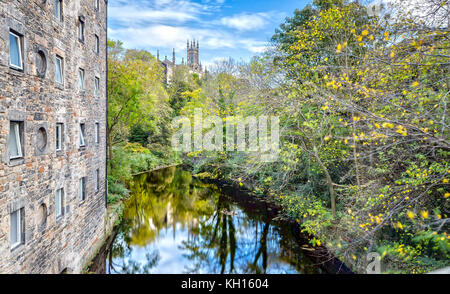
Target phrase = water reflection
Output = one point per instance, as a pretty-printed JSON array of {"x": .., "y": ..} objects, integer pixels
[{"x": 174, "y": 223}]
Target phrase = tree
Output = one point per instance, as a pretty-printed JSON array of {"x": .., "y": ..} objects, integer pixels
[
  {"x": 182, "y": 81},
  {"x": 135, "y": 92}
]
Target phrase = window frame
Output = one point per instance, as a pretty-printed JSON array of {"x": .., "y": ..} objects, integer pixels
[
  {"x": 58, "y": 17},
  {"x": 20, "y": 228},
  {"x": 61, "y": 69},
  {"x": 82, "y": 130},
  {"x": 18, "y": 139},
  {"x": 97, "y": 5},
  {"x": 97, "y": 44},
  {"x": 81, "y": 29},
  {"x": 59, "y": 204},
  {"x": 97, "y": 132},
  {"x": 97, "y": 180},
  {"x": 59, "y": 136},
  {"x": 81, "y": 82},
  {"x": 20, "y": 45},
  {"x": 96, "y": 86},
  {"x": 82, "y": 189}
]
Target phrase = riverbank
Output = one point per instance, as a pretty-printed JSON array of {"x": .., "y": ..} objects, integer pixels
[
  {"x": 315, "y": 249},
  {"x": 319, "y": 253},
  {"x": 344, "y": 236}
]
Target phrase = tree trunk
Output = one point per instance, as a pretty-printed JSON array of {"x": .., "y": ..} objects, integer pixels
[
  {"x": 329, "y": 182},
  {"x": 355, "y": 156}
]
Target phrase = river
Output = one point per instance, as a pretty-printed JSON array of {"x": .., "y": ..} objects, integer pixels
[{"x": 175, "y": 223}]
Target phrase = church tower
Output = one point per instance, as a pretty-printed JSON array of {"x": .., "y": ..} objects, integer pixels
[{"x": 193, "y": 60}]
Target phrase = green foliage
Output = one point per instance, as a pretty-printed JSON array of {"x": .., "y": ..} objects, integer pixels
[
  {"x": 138, "y": 135},
  {"x": 137, "y": 98},
  {"x": 181, "y": 82},
  {"x": 133, "y": 158},
  {"x": 116, "y": 191}
]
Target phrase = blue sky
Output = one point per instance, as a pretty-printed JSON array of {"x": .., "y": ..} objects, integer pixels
[{"x": 224, "y": 28}]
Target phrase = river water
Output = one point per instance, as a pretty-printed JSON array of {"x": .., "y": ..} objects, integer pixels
[{"x": 174, "y": 223}]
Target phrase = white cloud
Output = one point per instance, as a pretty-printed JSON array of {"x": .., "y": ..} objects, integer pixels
[
  {"x": 132, "y": 14},
  {"x": 165, "y": 36},
  {"x": 257, "y": 49},
  {"x": 246, "y": 22},
  {"x": 178, "y": 11}
]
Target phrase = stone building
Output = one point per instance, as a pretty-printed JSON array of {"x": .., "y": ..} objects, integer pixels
[
  {"x": 193, "y": 61},
  {"x": 52, "y": 134}
]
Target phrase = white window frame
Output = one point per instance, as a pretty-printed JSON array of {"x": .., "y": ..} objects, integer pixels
[
  {"x": 97, "y": 132},
  {"x": 81, "y": 30},
  {"x": 81, "y": 79},
  {"x": 97, "y": 44},
  {"x": 59, "y": 204},
  {"x": 60, "y": 12},
  {"x": 59, "y": 132},
  {"x": 82, "y": 189},
  {"x": 18, "y": 140},
  {"x": 19, "y": 43},
  {"x": 97, "y": 180},
  {"x": 97, "y": 5},
  {"x": 82, "y": 141},
  {"x": 19, "y": 227},
  {"x": 61, "y": 68},
  {"x": 96, "y": 86}
]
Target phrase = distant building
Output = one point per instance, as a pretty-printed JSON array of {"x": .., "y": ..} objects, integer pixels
[
  {"x": 52, "y": 134},
  {"x": 193, "y": 61}
]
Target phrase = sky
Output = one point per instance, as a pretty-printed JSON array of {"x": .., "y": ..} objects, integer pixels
[{"x": 224, "y": 28}]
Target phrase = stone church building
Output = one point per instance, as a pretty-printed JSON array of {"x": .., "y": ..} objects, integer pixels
[
  {"x": 193, "y": 61},
  {"x": 52, "y": 134}
]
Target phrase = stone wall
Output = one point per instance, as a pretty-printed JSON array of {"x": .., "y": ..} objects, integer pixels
[{"x": 52, "y": 244}]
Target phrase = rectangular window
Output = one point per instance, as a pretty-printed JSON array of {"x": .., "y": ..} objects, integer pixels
[
  {"x": 96, "y": 86},
  {"x": 82, "y": 135},
  {"x": 17, "y": 228},
  {"x": 59, "y": 70},
  {"x": 97, "y": 4},
  {"x": 59, "y": 202},
  {"x": 97, "y": 45},
  {"x": 15, "y": 140},
  {"x": 97, "y": 179},
  {"x": 15, "y": 51},
  {"x": 81, "y": 79},
  {"x": 97, "y": 132},
  {"x": 58, "y": 10},
  {"x": 82, "y": 189},
  {"x": 59, "y": 132},
  {"x": 81, "y": 29}
]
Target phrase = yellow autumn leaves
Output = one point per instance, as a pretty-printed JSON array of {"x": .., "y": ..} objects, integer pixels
[{"x": 341, "y": 47}]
